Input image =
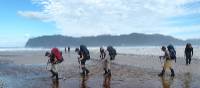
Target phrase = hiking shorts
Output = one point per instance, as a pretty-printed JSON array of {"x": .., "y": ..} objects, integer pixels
[
  {"x": 168, "y": 64},
  {"x": 107, "y": 64},
  {"x": 54, "y": 67}
]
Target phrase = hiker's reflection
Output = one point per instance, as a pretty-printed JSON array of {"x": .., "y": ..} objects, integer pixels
[
  {"x": 106, "y": 83},
  {"x": 187, "y": 79},
  {"x": 55, "y": 83},
  {"x": 166, "y": 82},
  {"x": 84, "y": 82}
]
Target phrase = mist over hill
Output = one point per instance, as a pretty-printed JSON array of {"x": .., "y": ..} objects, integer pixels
[{"x": 134, "y": 39}]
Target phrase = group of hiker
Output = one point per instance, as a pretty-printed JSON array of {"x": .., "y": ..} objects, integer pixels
[
  {"x": 67, "y": 49},
  {"x": 108, "y": 54},
  {"x": 170, "y": 54}
]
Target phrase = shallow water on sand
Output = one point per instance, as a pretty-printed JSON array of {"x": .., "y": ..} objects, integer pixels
[
  {"x": 22, "y": 76},
  {"x": 128, "y": 71}
]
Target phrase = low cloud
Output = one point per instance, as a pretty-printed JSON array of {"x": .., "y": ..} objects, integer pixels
[{"x": 94, "y": 17}]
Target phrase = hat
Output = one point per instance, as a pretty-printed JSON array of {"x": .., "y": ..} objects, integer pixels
[
  {"x": 47, "y": 53},
  {"x": 163, "y": 48},
  {"x": 77, "y": 49}
]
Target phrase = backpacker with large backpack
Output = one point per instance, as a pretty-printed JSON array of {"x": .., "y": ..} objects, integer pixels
[
  {"x": 102, "y": 53},
  {"x": 57, "y": 54},
  {"x": 172, "y": 52},
  {"x": 112, "y": 52},
  {"x": 85, "y": 52}
]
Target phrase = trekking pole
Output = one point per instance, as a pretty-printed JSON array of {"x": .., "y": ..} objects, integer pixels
[
  {"x": 79, "y": 62},
  {"x": 47, "y": 66},
  {"x": 160, "y": 57}
]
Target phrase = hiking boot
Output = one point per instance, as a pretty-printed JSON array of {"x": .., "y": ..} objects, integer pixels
[
  {"x": 83, "y": 73},
  {"x": 53, "y": 76},
  {"x": 162, "y": 73},
  {"x": 57, "y": 77},
  {"x": 172, "y": 75},
  {"x": 107, "y": 73},
  {"x": 53, "y": 73},
  {"x": 87, "y": 72},
  {"x": 172, "y": 72}
]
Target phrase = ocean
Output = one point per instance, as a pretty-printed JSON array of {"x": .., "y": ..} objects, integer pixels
[{"x": 137, "y": 50}]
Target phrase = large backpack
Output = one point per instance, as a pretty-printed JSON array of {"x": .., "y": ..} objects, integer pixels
[
  {"x": 85, "y": 52},
  {"x": 172, "y": 52},
  {"x": 57, "y": 54},
  {"x": 112, "y": 52}
]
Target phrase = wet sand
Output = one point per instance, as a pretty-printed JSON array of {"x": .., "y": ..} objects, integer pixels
[{"x": 27, "y": 69}]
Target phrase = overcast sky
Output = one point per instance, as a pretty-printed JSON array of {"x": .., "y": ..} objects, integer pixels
[{"x": 23, "y": 19}]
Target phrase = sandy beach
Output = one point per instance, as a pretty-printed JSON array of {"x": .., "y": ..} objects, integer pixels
[{"x": 27, "y": 69}]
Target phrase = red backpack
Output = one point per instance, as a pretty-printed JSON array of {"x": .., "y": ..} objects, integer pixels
[{"x": 57, "y": 54}]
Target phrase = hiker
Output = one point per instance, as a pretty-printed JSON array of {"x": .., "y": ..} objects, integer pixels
[
  {"x": 188, "y": 53},
  {"x": 84, "y": 55},
  {"x": 102, "y": 53},
  {"x": 110, "y": 54},
  {"x": 172, "y": 52},
  {"x": 55, "y": 57},
  {"x": 167, "y": 62},
  {"x": 68, "y": 48},
  {"x": 65, "y": 50}
]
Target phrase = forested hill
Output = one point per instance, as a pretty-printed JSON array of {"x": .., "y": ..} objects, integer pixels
[{"x": 134, "y": 39}]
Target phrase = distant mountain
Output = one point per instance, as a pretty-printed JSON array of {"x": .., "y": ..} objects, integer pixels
[
  {"x": 134, "y": 39},
  {"x": 193, "y": 41}
]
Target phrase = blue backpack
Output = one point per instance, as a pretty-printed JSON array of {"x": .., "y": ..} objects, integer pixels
[
  {"x": 172, "y": 52},
  {"x": 85, "y": 52},
  {"x": 112, "y": 52}
]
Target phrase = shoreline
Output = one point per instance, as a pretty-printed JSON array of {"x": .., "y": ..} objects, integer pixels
[{"x": 128, "y": 70}]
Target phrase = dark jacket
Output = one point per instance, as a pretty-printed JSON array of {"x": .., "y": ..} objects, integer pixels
[{"x": 189, "y": 52}]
